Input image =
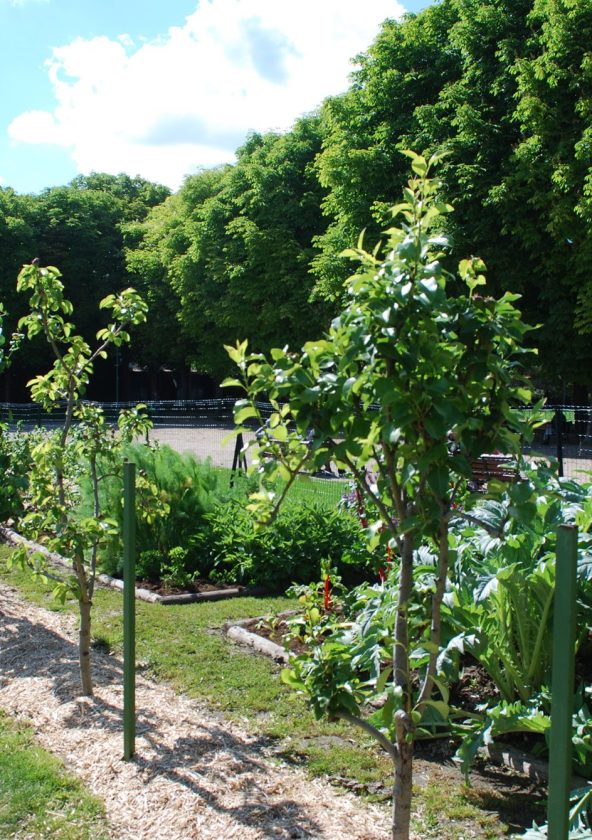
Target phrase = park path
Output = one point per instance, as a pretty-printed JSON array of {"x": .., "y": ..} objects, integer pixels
[{"x": 194, "y": 777}]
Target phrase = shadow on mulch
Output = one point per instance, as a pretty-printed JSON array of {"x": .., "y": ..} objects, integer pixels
[{"x": 29, "y": 649}]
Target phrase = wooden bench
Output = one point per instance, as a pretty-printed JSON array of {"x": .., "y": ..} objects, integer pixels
[{"x": 488, "y": 467}]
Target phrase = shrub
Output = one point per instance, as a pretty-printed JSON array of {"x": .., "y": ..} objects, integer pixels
[
  {"x": 184, "y": 491},
  {"x": 291, "y": 550},
  {"x": 15, "y": 464}
]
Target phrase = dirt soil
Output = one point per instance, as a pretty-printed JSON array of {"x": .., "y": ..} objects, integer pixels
[{"x": 194, "y": 587}]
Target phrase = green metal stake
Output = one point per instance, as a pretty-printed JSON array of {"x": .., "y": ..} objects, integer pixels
[
  {"x": 129, "y": 610},
  {"x": 562, "y": 688}
]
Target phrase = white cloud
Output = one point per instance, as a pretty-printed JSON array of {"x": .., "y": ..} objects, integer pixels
[
  {"x": 163, "y": 108},
  {"x": 16, "y": 3}
]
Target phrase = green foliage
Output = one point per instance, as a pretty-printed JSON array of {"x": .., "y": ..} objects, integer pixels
[
  {"x": 505, "y": 86},
  {"x": 15, "y": 466},
  {"x": 57, "y": 460},
  {"x": 292, "y": 550},
  {"x": 173, "y": 572},
  {"x": 231, "y": 251},
  {"x": 410, "y": 384},
  {"x": 174, "y": 493},
  {"x": 79, "y": 227},
  {"x": 499, "y": 605}
]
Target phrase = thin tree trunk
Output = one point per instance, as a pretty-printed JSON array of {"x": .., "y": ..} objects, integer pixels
[
  {"x": 403, "y": 787},
  {"x": 402, "y": 790},
  {"x": 84, "y": 637}
]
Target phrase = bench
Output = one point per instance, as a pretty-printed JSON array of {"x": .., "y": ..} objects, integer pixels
[{"x": 488, "y": 467}]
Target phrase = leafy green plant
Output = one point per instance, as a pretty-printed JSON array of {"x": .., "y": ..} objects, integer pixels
[
  {"x": 175, "y": 491},
  {"x": 233, "y": 550},
  {"x": 499, "y": 607},
  {"x": 320, "y": 604},
  {"x": 411, "y": 383},
  {"x": 15, "y": 466},
  {"x": 173, "y": 571}
]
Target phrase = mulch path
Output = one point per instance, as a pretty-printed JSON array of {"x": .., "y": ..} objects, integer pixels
[{"x": 194, "y": 776}]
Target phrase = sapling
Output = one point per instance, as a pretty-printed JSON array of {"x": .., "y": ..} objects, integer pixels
[
  {"x": 413, "y": 381},
  {"x": 82, "y": 442}
]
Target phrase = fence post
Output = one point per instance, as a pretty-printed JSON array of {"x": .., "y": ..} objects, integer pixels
[
  {"x": 129, "y": 610},
  {"x": 239, "y": 461},
  {"x": 562, "y": 684},
  {"x": 559, "y": 422}
]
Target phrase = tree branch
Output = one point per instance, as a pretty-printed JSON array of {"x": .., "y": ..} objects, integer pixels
[{"x": 384, "y": 742}]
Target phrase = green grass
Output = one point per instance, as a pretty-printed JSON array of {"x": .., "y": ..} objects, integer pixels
[
  {"x": 185, "y": 646},
  {"x": 38, "y": 799},
  {"x": 305, "y": 490}
]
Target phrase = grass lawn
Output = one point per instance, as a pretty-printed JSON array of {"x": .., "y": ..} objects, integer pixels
[
  {"x": 305, "y": 490},
  {"x": 185, "y": 646},
  {"x": 38, "y": 799}
]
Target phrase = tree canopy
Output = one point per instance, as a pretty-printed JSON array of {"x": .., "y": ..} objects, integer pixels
[
  {"x": 253, "y": 249},
  {"x": 504, "y": 85},
  {"x": 235, "y": 246}
]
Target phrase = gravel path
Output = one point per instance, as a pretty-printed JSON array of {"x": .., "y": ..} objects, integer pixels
[{"x": 194, "y": 776}]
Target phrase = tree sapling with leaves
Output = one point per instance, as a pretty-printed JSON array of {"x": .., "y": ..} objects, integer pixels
[
  {"x": 414, "y": 380},
  {"x": 83, "y": 438}
]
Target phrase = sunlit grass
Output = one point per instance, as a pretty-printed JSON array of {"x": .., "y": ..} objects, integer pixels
[{"x": 38, "y": 799}]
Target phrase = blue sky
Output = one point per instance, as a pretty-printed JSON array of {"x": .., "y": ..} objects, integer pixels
[{"x": 160, "y": 88}]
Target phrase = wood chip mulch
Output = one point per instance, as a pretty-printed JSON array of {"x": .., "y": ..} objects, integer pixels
[{"x": 194, "y": 776}]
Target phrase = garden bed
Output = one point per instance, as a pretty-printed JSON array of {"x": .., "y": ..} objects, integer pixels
[
  {"x": 199, "y": 590},
  {"x": 474, "y": 687}
]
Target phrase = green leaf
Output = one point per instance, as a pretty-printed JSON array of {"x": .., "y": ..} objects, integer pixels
[{"x": 289, "y": 677}]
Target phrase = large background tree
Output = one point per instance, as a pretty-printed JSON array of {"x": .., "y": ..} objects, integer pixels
[
  {"x": 79, "y": 227},
  {"x": 234, "y": 248},
  {"x": 506, "y": 87}
]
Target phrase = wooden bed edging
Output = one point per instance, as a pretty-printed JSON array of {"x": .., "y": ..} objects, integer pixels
[{"x": 15, "y": 538}]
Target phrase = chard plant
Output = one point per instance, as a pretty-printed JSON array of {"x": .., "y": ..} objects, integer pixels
[
  {"x": 414, "y": 380},
  {"x": 59, "y": 459}
]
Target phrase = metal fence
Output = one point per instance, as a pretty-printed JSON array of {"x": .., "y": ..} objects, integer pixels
[
  {"x": 204, "y": 428},
  {"x": 567, "y": 437}
]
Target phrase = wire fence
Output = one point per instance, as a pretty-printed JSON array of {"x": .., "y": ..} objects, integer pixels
[
  {"x": 567, "y": 437},
  {"x": 204, "y": 428}
]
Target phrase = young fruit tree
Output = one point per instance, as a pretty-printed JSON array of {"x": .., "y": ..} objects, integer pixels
[
  {"x": 79, "y": 447},
  {"x": 414, "y": 380}
]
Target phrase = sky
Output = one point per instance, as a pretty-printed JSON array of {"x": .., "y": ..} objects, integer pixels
[{"x": 163, "y": 88}]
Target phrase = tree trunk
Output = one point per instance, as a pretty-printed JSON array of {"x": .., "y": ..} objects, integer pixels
[
  {"x": 84, "y": 637},
  {"x": 402, "y": 790},
  {"x": 84, "y": 648},
  {"x": 404, "y": 729}
]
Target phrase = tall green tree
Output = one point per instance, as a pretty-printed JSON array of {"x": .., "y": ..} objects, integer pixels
[
  {"x": 408, "y": 386},
  {"x": 80, "y": 227},
  {"x": 235, "y": 246},
  {"x": 550, "y": 175},
  {"x": 505, "y": 86},
  {"x": 152, "y": 247},
  {"x": 397, "y": 78}
]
